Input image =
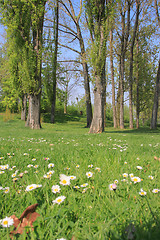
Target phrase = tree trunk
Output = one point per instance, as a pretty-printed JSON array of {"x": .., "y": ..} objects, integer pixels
[
  {"x": 66, "y": 99},
  {"x": 24, "y": 107},
  {"x": 156, "y": 100},
  {"x": 97, "y": 125},
  {"x": 112, "y": 78},
  {"x": 54, "y": 64},
  {"x": 121, "y": 120},
  {"x": 33, "y": 119},
  {"x": 137, "y": 86}
]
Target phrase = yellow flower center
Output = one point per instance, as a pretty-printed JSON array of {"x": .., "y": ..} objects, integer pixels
[
  {"x": 64, "y": 181},
  {"x": 5, "y": 222},
  {"x": 142, "y": 193},
  {"x": 31, "y": 187},
  {"x": 59, "y": 200},
  {"x": 156, "y": 191}
]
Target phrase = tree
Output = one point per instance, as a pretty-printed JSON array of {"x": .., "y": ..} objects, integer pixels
[
  {"x": 157, "y": 87},
  {"x": 96, "y": 19}
]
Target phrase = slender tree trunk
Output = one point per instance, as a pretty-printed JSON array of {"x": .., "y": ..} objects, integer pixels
[
  {"x": 112, "y": 78},
  {"x": 122, "y": 92},
  {"x": 24, "y": 107},
  {"x": 137, "y": 87},
  {"x": 66, "y": 99},
  {"x": 156, "y": 100},
  {"x": 54, "y": 64}
]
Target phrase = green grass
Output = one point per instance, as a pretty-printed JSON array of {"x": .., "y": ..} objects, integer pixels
[{"x": 99, "y": 213}]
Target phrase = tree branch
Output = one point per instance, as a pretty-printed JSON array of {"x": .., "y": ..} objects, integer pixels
[{"x": 74, "y": 50}]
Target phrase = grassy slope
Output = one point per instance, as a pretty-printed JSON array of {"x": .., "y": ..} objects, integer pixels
[{"x": 98, "y": 213}]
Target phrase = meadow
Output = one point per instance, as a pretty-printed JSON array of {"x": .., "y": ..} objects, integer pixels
[{"x": 87, "y": 186}]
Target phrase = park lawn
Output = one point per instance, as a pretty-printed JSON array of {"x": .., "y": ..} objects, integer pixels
[{"x": 87, "y": 212}]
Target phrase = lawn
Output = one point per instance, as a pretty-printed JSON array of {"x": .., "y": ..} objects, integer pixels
[{"x": 109, "y": 183}]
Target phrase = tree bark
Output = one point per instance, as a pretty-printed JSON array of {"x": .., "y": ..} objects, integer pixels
[
  {"x": 137, "y": 87},
  {"x": 112, "y": 78},
  {"x": 24, "y": 107},
  {"x": 156, "y": 100},
  {"x": 131, "y": 67},
  {"x": 33, "y": 119},
  {"x": 55, "y": 65}
]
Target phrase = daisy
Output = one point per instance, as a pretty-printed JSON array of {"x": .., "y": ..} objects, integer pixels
[
  {"x": 50, "y": 172},
  {"x": 1, "y": 172},
  {"x": 131, "y": 175},
  {"x": 14, "y": 175},
  {"x": 125, "y": 175},
  {"x": 135, "y": 179},
  {"x": 47, "y": 159},
  {"x": 90, "y": 166},
  {"x": 56, "y": 189},
  {"x": 25, "y": 154},
  {"x": 64, "y": 180},
  {"x": 15, "y": 179},
  {"x": 84, "y": 185},
  {"x": 30, "y": 165},
  {"x": 7, "y": 222},
  {"x": 59, "y": 200},
  {"x": 36, "y": 166},
  {"x": 21, "y": 175},
  {"x": 115, "y": 181},
  {"x": 6, "y": 190},
  {"x": 112, "y": 186},
  {"x": 77, "y": 166},
  {"x": 47, "y": 176},
  {"x": 155, "y": 190},
  {"x": 50, "y": 165},
  {"x": 89, "y": 174},
  {"x": 76, "y": 187},
  {"x": 151, "y": 177},
  {"x": 98, "y": 169},
  {"x": 31, "y": 187},
  {"x": 72, "y": 177},
  {"x": 142, "y": 192},
  {"x": 33, "y": 159},
  {"x": 84, "y": 190},
  {"x": 139, "y": 167}
]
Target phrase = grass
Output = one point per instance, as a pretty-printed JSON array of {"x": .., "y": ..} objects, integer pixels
[{"x": 97, "y": 212}]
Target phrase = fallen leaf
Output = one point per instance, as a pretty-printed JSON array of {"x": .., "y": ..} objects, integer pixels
[{"x": 26, "y": 219}]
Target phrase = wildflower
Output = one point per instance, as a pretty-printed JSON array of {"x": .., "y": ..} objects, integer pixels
[
  {"x": 151, "y": 177},
  {"x": 72, "y": 177},
  {"x": 139, "y": 167},
  {"x": 84, "y": 190},
  {"x": 136, "y": 179},
  {"x": 98, "y": 169},
  {"x": 30, "y": 165},
  {"x": 77, "y": 166},
  {"x": 64, "y": 180},
  {"x": 25, "y": 154},
  {"x": 21, "y": 175},
  {"x": 47, "y": 176},
  {"x": 125, "y": 175},
  {"x": 56, "y": 189},
  {"x": 14, "y": 175},
  {"x": 155, "y": 190},
  {"x": 84, "y": 185},
  {"x": 61, "y": 239},
  {"x": 38, "y": 185},
  {"x": 31, "y": 187},
  {"x": 125, "y": 162},
  {"x": 76, "y": 187},
  {"x": 1, "y": 172},
  {"x": 36, "y": 166},
  {"x": 33, "y": 159},
  {"x": 46, "y": 159},
  {"x": 67, "y": 168},
  {"x": 6, "y": 190},
  {"x": 59, "y": 200},
  {"x": 115, "y": 181},
  {"x": 89, "y": 174},
  {"x": 50, "y": 165},
  {"x": 131, "y": 175},
  {"x": 50, "y": 172},
  {"x": 90, "y": 166},
  {"x": 142, "y": 192},
  {"x": 15, "y": 179},
  {"x": 7, "y": 222},
  {"x": 112, "y": 186}
]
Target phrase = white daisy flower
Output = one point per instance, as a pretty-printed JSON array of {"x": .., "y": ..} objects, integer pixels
[
  {"x": 84, "y": 190},
  {"x": 1, "y": 172},
  {"x": 135, "y": 179},
  {"x": 47, "y": 176},
  {"x": 125, "y": 175},
  {"x": 112, "y": 186},
  {"x": 7, "y": 222},
  {"x": 30, "y": 165},
  {"x": 59, "y": 200},
  {"x": 6, "y": 190},
  {"x": 142, "y": 192},
  {"x": 31, "y": 187},
  {"x": 155, "y": 190},
  {"x": 64, "y": 180},
  {"x": 77, "y": 166},
  {"x": 76, "y": 187},
  {"x": 131, "y": 175},
  {"x": 139, "y": 167},
  {"x": 56, "y": 189},
  {"x": 50, "y": 172},
  {"x": 151, "y": 177},
  {"x": 90, "y": 166},
  {"x": 50, "y": 165},
  {"x": 33, "y": 159},
  {"x": 115, "y": 181},
  {"x": 72, "y": 177},
  {"x": 84, "y": 185},
  {"x": 89, "y": 174},
  {"x": 36, "y": 166}
]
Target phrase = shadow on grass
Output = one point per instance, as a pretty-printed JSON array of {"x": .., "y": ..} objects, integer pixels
[
  {"x": 61, "y": 118},
  {"x": 136, "y": 131}
]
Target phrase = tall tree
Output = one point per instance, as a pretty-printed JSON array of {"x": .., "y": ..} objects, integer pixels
[
  {"x": 157, "y": 87},
  {"x": 96, "y": 18}
]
